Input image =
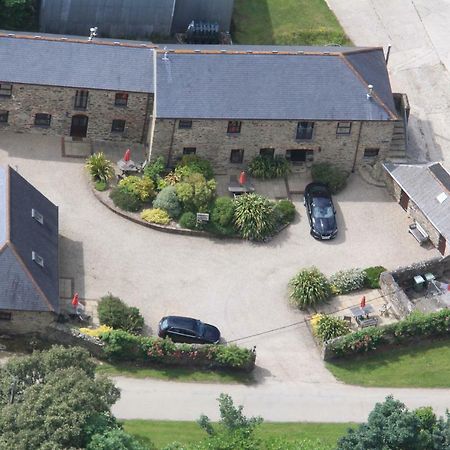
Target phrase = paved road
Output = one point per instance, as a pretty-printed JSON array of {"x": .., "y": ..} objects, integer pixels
[{"x": 419, "y": 64}]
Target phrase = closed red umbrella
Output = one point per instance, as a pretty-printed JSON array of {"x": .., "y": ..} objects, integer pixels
[
  {"x": 75, "y": 301},
  {"x": 363, "y": 302},
  {"x": 242, "y": 178},
  {"x": 127, "y": 155}
]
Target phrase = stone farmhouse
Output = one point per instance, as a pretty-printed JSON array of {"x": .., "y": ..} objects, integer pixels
[
  {"x": 225, "y": 103},
  {"x": 29, "y": 276}
]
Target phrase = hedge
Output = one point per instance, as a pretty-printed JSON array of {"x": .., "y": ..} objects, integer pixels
[
  {"x": 415, "y": 326},
  {"x": 120, "y": 345}
]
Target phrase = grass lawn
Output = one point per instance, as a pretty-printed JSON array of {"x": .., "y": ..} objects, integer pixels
[
  {"x": 294, "y": 22},
  {"x": 173, "y": 374},
  {"x": 426, "y": 365},
  {"x": 163, "y": 432}
]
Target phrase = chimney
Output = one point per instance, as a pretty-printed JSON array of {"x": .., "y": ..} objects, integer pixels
[
  {"x": 370, "y": 91},
  {"x": 92, "y": 33}
]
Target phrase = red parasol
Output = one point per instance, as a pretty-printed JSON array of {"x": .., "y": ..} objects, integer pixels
[
  {"x": 363, "y": 302},
  {"x": 75, "y": 300},
  {"x": 127, "y": 155},
  {"x": 242, "y": 178}
]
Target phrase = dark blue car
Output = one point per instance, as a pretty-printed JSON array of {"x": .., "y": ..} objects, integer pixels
[
  {"x": 321, "y": 211},
  {"x": 188, "y": 330}
]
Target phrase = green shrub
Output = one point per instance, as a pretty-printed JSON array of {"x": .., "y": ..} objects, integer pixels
[
  {"x": 254, "y": 217},
  {"x": 346, "y": 281},
  {"x": 101, "y": 185},
  {"x": 372, "y": 276},
  {"x": 116, "y": 314},
  {"x": 195, "y": 193},
  {"x": 142, "y": 187},
  {"x": 167, "y": 199},
  {"x": 222, "y": 214},
  {"x": 231, "y": 355},
  {"x": 155, "y": 215},
  {"x": 121, "y": 345},
  {"x": 156, "y": 169},
  {"x": 265, "y": 167},
  {"x": 100, "y": 168},
  {"x": 309, "y": 287},
  {"x": 125, "y": 200},
  {"x": 332, "y": 176},
  {"x": 285, "y": 211},
  {"x": 365, "y": 340},
  {"x": 198, "y": 165},
  {"x": 188, "y": 220},
  {"x": 330, "y": 327}
]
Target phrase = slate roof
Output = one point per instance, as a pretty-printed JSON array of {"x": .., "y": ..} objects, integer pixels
[
  {"x": 24, "y": 284},
  {"x": 80, "y": 64},
  {"x": 423, "y": 183},
  {"x": 288, "y": 83}
]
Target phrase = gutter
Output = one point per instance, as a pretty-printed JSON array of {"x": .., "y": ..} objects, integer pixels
[
  {"x": 357, "y": 147},
  {"x": 153, "y": 122}
]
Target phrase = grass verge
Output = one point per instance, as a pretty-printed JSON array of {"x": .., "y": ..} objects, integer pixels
[
  {"x": 426, "y": 365},
  {"x": 286, "y": 22},
  {"x": 162, "y": 433},
  {"x": 173, "y": 374}
]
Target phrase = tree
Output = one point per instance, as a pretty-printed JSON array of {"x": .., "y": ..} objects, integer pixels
[{"x": 392, "y": 426}]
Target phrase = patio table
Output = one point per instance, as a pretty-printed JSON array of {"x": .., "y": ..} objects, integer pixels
[
  {"x": 237, "y": 188},
  {"x": 357, "y": 311},
  {"x": 128, "y": 166}
]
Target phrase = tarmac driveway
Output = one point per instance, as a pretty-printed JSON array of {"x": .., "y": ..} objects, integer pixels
[{"x": 239, "y": 286}]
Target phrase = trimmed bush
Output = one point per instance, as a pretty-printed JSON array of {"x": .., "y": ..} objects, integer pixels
[
  {"x": 155, "y": 215},
  {"x": 222, "y": 214},
  {"x": 309, "y": 287},
  {"x": 254, "y": 217},
  {"x": 101, "y": 185},
  {"x": 198, "y": 165},
  {"x": 125, "y": 200},
  {"x": 156, "y": 169},
  {"x": 285, "y": 211},
  {"x": 346, "y": 281},
  {"x": 372, "y": 276},
  {"x": 167, "y": 199},
  {"x": 195, "y": 193},
  {"x": 330, "y": 327},
  {"x": 100, "y": 168},
  {"x": 264, "y": 167},
  {"x": 335, "y": 178},
  {"x": 142, "y": 187},
  {"x": 113, "y": 312},
  {"x": 361, "y": 341},
  {"x": 188, "y": 220}
]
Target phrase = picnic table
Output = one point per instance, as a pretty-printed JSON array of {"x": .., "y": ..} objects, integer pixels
[
  {"x": 127, "y": 167},
  {"x": 361, "y": 315},
  {"x": 237, "y": 188}
]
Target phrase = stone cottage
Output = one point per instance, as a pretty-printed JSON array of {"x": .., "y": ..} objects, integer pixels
[
  {"x": 224, "y": 103},
  {"x": 29, "y": 276}
]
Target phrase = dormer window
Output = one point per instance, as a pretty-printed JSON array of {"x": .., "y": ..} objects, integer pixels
[
  {"x": 37, "y": 216},
  {"x": 38, "y": 259}
]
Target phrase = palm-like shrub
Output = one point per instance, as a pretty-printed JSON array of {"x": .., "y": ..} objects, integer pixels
[
  {"x": 167, "y": 199},
  {"x": 155, "y": 215},
  {"x": 254, "y": 216},
  {"x": 346, "y": 281},
  {"x": 100, "y": 168},
  {"x": 333, "y": 176},
  {"x": 142, "y": 187},
  {"x": 309, "y": 287},
  {"x": 330, "y": 327},
  {"x": 265, "y": 167}
]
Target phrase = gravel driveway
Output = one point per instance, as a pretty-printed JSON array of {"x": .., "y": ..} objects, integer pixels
[{"x": 239, "y": 286}]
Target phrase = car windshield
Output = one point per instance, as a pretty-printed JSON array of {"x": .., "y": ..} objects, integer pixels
[
  {"x": 164, "y": 324},
  {"x": 323, "y": 212}
]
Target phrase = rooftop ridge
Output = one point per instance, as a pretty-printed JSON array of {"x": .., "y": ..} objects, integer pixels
[
  {"x": 95, "y": 41},
  {"x": 224, "y": 51}
]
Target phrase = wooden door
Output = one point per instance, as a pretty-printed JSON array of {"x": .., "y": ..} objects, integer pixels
[
  {"x": 442, "y": 244},
  {"x": 404, "y": 200},
  {"x": 79, "y": 125}
]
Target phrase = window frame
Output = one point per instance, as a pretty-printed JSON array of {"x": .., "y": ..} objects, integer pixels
[
  {"x": 44, "y": 120},
  {"x": 344, "y": 128},
  {"x": 121, "y": 99},
  {"x": 184, "y": 124},
  {"x": 234, "y": 127},
  {"x": 268, "y": 152},
  {"x": 81, "y": 99},
  {"x": 189, "y": 151},
  {"x": 6, "y": 92},
  {"x": 305, "y": 133},
  {"x": 308, "y": 153},
  {"x": 237, "y": 151},
  {"x": 5, "y": 315},
  {"x": 37, "y": 216},
  {"x": 38, "y": 259},
  {"x": 375, "y": 150},
  {"x": 4, "y": 114},
  {"x": 115, "y": 129}
]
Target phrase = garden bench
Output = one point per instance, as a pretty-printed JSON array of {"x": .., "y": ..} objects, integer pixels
[{"x": 419, "y": 233}]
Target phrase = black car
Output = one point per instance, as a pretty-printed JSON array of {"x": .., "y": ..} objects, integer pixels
[
  {"x": 321, "y": 212},
  {"x": 185, "y": 329}
]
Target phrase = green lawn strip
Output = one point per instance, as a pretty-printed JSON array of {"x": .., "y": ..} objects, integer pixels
[
  {"x": 425, "y": 365},
  {"x": 294, "y": 22},
  {"x": 174, "y": 374},
  {"x": 162, "y": 432}
]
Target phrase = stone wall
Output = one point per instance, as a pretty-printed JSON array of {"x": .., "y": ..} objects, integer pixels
[
  {"x": 26, "y": 322},
  {"x": 211, "y": 140},
  {"x": 27, "y": 100}
]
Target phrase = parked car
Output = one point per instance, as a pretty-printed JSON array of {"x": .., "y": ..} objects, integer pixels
[
  {"x": 321, "y": 211},
  {"x": 186, "y": 329}
]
